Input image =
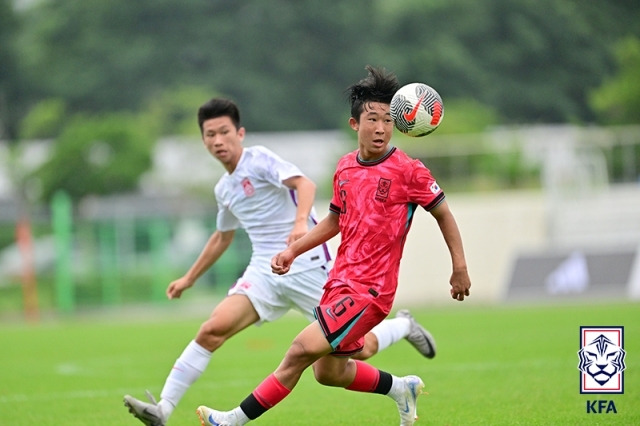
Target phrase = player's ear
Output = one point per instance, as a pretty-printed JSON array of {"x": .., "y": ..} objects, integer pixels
[
  {"x": 241, "y": 132},
  {"x": 353, "y": 123}
]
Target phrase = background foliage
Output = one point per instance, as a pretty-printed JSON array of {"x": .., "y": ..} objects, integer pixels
[
  {"x": 288, "y": 63},
  {"x": 102, "y": 155}
]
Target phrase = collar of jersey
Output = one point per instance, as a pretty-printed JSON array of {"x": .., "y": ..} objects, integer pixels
[{"x": 378, "y": 161}]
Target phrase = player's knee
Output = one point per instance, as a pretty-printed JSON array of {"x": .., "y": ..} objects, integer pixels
[
  {"x": 211, "y": 336},
  {"x": 298, "y": 357},
  {"x": 298, "y": 354}
]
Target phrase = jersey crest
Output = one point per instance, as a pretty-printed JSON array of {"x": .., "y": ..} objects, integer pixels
[
  {"x": 248, "y": 188},
  {"x": 382, "y": 193}
]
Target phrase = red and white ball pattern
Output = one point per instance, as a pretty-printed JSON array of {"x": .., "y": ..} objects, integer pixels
[{"x": 417, "y": 109}]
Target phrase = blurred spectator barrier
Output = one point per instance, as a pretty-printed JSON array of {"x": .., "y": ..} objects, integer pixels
[{"x": 99, "y": 254}]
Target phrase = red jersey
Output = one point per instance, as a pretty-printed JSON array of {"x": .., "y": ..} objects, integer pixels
[{"x": 376, "y": 201}]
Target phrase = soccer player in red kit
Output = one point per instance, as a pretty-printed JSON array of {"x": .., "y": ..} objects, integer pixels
[{"x": 376, "y": 190}]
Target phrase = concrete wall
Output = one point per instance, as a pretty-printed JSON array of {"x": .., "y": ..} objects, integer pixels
[
  {"x": 493, "y": 228},
  {"x": 496, "y": 228}
]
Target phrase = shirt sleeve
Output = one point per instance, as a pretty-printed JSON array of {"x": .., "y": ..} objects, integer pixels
[
  {"x": 225, "y": 220},
  {"x": 423, "y": 188},
  {"x": 274, "y": 169}
]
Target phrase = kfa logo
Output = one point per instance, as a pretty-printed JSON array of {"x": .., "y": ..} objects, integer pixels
[
  {"x": 601, "y": 357},
  {"x": 601, "y": 407}
]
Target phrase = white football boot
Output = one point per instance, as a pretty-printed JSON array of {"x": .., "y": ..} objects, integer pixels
[
  {"x": 211, "y": 417},
  {"x": 407, "y": 401}
]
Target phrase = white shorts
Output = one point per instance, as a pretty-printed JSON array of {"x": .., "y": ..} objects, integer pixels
[{"x": 274, "y": 295}]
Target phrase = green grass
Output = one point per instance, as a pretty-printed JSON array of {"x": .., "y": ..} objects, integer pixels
[{"x": 495, "y": 366}]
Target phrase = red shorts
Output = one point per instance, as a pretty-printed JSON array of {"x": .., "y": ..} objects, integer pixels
[{"x": 346, "y": 316}]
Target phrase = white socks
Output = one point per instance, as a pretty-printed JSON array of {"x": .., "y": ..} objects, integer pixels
[
  {"x": 241, "y": 417},
  {"x": 397, "y": 387},
  {"x": 187, "y": 369},
  {"x": 390, "y": 331}
]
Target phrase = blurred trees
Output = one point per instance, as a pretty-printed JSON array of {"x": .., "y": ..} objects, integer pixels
[
  {"x": 12, "y": 83},
  {"x": 533, "y": 60},
  {"x": 109, "y": 56},
  {"x": 618, "y": 99},
  {"x": 96, "y": 156},
  {"x": 64, "y": 62},
  {"x": 287, "y": 63},
  {"x": 45, "y": 120}
]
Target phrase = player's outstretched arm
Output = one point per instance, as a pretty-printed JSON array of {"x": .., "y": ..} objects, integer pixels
[
  {"x": 460, "y": 281},
  {"x": 215, "y": 247},
  {"x": 321, "y": 233}
]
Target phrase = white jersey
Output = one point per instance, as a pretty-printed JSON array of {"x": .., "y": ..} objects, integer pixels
[{"x": 253, "y": 197}]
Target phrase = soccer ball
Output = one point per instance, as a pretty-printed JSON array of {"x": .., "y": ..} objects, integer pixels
[{"x": 417, "y": 109}]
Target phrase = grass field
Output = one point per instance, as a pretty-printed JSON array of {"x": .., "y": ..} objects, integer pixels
[{"x": 495, "y": 366}]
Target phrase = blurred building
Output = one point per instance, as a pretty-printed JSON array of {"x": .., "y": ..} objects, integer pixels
[{"x": 574, "y": 233}]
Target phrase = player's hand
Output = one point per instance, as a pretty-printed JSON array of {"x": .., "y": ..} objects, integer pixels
[
  {"x": 281, "y": 262},
  {"x": 175, "y": 289},
  {"x": 460, "y": 284}
]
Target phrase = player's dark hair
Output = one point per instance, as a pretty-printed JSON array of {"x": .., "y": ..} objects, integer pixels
[
  {"x": 219, "y": 107},
  {"x": 378, "y": 86}
]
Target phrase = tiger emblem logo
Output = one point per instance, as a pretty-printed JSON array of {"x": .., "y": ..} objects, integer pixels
[
  {"x": 382, "y": 193},
  {"x": 601, "y": 359}
]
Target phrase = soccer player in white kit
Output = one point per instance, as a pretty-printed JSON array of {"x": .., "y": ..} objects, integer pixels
[{"x": 273, "y": 201}]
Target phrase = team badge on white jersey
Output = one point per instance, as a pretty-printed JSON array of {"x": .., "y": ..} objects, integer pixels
[{"x": 248, "y": 188}]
